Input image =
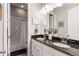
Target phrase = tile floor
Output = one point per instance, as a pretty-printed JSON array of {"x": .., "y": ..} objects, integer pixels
[{"x": 24, "y": 54}]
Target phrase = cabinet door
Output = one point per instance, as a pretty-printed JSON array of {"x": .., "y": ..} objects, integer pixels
[
  {"x": 33, "y": 47},
  {"x": 36, "y": 48},
  {"x": 1, "y": 38},
  {"x": 4, "y": 8}
]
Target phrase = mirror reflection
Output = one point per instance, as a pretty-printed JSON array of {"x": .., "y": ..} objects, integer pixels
[{"x": 65, "y": 19}]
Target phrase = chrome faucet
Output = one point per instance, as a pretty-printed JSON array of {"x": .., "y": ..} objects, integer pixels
[
  {"x": 44, "y": 36},
  {"x": 65, "y": 39}
]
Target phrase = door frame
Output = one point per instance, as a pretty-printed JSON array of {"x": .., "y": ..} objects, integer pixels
[{"x": 6, "y": 28}]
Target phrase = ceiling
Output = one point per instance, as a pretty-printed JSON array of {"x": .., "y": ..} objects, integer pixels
[
  {"x": 19, "y": 5},
  {"x": 67, "y": 6}
]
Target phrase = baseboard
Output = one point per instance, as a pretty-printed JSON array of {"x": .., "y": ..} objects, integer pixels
[{"x": 18, "y": 52}]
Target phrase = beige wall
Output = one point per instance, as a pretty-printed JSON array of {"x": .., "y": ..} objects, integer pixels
[
  {"x": 0, "y": 11},
  {"x": 61, "y": 15}
]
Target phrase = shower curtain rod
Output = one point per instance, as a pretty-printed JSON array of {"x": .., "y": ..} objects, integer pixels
[{"x": 21, "y": 19}]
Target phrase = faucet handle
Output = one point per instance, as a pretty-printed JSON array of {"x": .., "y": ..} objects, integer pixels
[
  {"x": 68, "y": 35},
  {"x": 62, "y": 39},
  {"x": 44, "y": 36}
]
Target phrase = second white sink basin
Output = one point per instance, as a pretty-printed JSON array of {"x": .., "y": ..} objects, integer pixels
[
  {"x": 40, "y": 39},
  {"x": 61, "y": 45}
]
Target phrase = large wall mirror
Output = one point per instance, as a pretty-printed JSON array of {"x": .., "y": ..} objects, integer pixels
[
  {"x": 51, "y": 21},
  {"x": 63, "y": 19},
  {"x": 52, "y": 24}
]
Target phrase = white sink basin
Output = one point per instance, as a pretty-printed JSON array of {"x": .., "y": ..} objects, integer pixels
[
  {"x": 40, "y": 39},
  {"x": 61, "y": 45}
]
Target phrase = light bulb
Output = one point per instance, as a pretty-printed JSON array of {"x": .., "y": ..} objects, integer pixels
[{"x": 22, "y": 6}]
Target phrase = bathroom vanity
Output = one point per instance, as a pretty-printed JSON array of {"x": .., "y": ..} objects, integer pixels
[{"x": 41, "y": 47}]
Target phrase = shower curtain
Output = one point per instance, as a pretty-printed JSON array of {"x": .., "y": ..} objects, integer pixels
[
  {"x": 24, "y": 34},
  {"x": 18, "y": 34}
]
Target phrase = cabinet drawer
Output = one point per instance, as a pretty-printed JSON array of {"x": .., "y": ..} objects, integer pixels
[
  {"x": 53, "y": 51},
  {"x": 46, "y": 53}
]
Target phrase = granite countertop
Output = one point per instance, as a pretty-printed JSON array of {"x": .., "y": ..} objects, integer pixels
[{"x": 72, "y": 51}]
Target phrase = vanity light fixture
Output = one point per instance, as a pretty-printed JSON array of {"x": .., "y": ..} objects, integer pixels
[
  {"x": 43, "y": 10},
  {"x": 50, "y": 7}
]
